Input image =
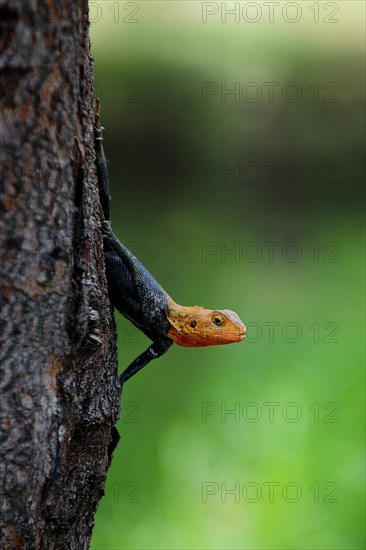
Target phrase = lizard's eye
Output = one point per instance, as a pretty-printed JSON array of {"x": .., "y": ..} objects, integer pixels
[
  {"x": 218, "y": 320},
  {"x": 193, "y": 324}
]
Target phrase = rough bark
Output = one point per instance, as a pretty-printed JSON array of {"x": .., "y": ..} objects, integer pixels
[{"x": 59, "y": 386}]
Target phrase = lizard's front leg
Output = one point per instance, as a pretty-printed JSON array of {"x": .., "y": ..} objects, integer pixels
[{"x": 157, "y": 348}]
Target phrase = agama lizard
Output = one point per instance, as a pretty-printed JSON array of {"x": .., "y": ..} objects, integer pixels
[{"x": 140, "y": 298}]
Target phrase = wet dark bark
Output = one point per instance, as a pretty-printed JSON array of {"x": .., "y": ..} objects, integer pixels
[{"x": 59, "y": 387}]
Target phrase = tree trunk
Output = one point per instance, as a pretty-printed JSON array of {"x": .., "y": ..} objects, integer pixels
[{"x": 59, "y": 386}]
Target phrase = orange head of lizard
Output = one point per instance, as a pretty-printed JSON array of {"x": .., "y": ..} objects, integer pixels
[{"x": 196, "y": 326}]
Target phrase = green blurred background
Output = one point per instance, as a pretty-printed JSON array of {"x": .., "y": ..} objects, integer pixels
[{"x": 285, "y": 469}]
